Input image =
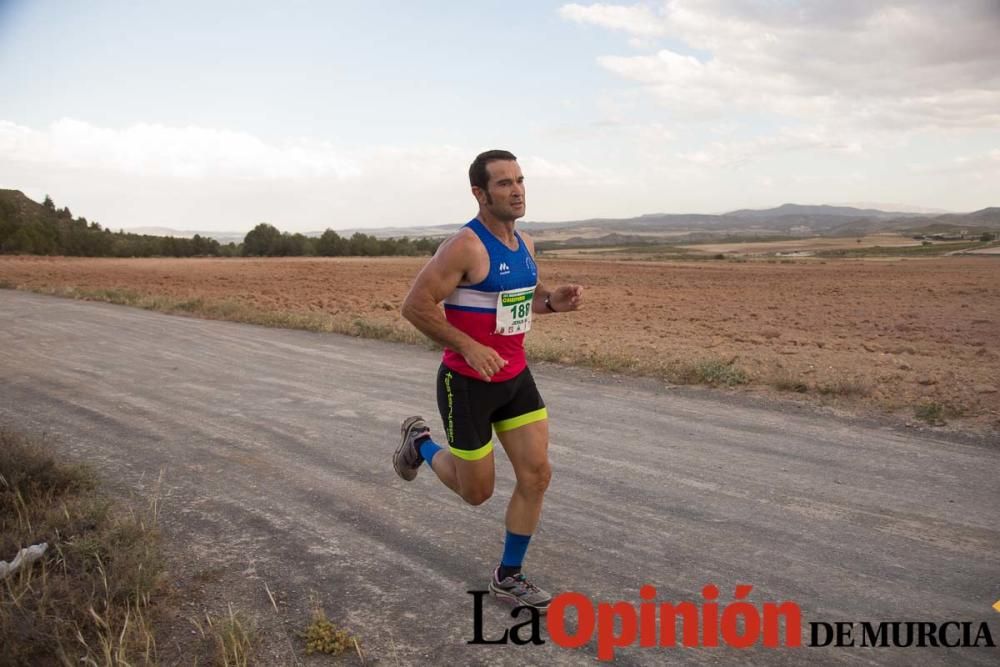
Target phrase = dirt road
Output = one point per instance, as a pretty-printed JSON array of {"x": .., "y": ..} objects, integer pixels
[{"x": 274, "y": 447}]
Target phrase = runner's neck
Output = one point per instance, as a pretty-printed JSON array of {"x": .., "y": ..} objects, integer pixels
[{"x": 503, "y": 231}]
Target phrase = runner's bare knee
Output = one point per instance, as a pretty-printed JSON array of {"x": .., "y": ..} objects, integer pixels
[
  {"x": 534, "y": 479},
  {"x": 477, "y": 494}
]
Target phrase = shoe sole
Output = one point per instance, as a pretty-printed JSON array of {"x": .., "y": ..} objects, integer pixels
[
  {"x": 404, "y": 431},
  {"x": 503, "y": 595}
]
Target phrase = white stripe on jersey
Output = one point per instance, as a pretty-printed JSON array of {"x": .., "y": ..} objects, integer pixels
[{"x": 470, "y": 298}]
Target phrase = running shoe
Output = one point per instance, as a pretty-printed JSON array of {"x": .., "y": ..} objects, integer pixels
[
  {"x": 407, "y": 458},
  {"x": 520, "y": 591}
]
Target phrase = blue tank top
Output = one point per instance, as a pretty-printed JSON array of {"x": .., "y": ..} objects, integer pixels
[
  {"x": 473, "y": 308},
  {"x": 509, "y": 269}
]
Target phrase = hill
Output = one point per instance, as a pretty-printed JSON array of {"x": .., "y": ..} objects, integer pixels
[
  {"x": 27, "y": 227},
  {"x": 805, "y": 211},
  {"x": 789, "y": 219},
  {"x": 987, "y": 219}
]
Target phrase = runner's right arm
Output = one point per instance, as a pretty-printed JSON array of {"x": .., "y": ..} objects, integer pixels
[{"x": 452, "y": 262}]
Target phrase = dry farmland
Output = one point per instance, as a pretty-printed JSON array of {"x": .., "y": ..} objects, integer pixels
[{"x": 918, "y": 338}]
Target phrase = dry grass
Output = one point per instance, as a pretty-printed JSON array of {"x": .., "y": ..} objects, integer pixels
[
  {"x": 232, "y": 637},
  {"x": 710, "y": 371},
  {"x": 785, "y": 381},
  {"x": 87, "y": 600},
  {"x": 936, "y": 414},
  {"x": 845, "y": 387},
  {"x": 93, "y": 597},
  {"x": 234, "y": 311},
  {"x": 714, "y": 372}
]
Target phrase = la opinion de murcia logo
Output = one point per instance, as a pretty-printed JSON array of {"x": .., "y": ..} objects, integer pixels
[{"x": 708, "y": 623}]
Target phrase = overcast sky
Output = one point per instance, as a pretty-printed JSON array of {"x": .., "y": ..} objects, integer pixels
[{"x": 217, "y": 115}]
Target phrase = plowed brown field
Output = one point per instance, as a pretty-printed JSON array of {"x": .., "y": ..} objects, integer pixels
[{"x": 904, "y": 336}]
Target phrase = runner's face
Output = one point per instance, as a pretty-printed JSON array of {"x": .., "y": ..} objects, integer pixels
[{"x": 505, "y": 190}]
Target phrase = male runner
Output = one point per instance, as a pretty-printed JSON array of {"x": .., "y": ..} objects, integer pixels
[{"x": 487, "y": 278}]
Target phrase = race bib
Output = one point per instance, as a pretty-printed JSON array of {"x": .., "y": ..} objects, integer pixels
[{"x": 514, "y": 311}]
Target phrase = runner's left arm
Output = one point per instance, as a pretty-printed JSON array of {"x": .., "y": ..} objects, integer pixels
[{"x": 563, "y": 299}]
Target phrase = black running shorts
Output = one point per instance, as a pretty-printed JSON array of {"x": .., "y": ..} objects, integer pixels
[{"x": 472, "y": 409}]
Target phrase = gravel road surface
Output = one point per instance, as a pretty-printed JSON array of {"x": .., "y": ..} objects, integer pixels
[{"x": 271, "y": 451}]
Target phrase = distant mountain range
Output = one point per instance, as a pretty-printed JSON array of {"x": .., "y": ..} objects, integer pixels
[{"x": 784, "y": 220}]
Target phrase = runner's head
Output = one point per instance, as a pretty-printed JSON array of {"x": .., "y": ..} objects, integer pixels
[{"x": 498, "y": 185}]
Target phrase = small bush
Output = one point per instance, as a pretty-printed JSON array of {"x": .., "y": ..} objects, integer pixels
[
  {"x": 322, "y": 636},
  {"x": 932, "y": 413},
  {"x": 844, "y": 388},
  {"x": 786, "y": 382},
  {"x": 715, "y": 373}
]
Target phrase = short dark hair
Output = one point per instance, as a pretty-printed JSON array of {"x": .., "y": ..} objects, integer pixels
[{"x": 478, "y": 176}]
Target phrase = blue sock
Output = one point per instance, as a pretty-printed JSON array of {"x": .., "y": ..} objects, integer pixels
[
  {"x": 428, "y": 449},
  {"x": 514, "y": 548}
]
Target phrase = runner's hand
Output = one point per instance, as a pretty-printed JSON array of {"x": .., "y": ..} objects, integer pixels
[
  {"x": 566, "y": 298},
  {"x": 484, "y": 360}
]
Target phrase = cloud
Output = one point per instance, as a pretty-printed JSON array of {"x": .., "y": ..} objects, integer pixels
[
  {"x": 735, "y": 153},
  {"x": 149, "y": 174},
  {"x": 979, "y": 165},
  {"x": 180, "y": 152},
  {"x": 909, "y": 66},
  {"x": 637, "y": 20}
]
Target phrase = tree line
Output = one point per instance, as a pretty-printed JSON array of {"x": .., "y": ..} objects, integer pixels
[
  {"x": 265, "y": 240},
  {"x": 46, "y": 230}
]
